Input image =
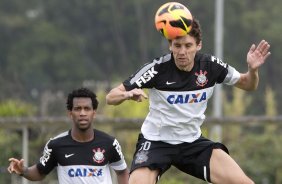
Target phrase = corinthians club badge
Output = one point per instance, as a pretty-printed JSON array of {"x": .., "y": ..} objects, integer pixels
[
  {"x": 98, "y": 155},
  {"x": 141, "y": 157},
  {"x": 201, "y": 78}
]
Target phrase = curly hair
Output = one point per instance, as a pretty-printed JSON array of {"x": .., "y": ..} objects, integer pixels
[{"x": 82, "y": 92}]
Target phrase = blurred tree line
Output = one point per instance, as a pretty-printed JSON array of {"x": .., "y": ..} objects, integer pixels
[{"x": 59, "y": 45}]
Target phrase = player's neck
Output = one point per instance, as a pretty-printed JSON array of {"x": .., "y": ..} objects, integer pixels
[
  {"x": 82, "y": 136},
  {"x": 187, "y": 67}
]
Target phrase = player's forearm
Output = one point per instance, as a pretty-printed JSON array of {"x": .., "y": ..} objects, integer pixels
[
  {"x": 122, "y": 176},
  {"x": 116, "y": 96},
  {"x": 32, "y": 173},
  {"x": 248, "y": 81}
]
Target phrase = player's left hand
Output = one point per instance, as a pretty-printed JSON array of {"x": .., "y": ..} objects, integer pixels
[{"x": 257, "y": 55}]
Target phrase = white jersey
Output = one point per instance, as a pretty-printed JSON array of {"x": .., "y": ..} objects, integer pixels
[
  {"x": 82, "y": 163},
  {"x": 178, "y": 99}
]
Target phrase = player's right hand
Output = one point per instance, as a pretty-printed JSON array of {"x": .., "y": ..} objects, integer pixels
[{"x": 16, "y": 166}]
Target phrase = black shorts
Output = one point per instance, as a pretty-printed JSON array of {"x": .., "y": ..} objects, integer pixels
[{"x": 191, "y": 158}]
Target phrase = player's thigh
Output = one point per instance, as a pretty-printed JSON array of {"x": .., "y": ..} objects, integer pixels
[
  {"x": 223, "y": 169},
  {"x": 143, "y": 175}
]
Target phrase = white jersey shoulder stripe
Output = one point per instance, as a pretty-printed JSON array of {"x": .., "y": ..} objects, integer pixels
[
  {"x": 61, "y": 135},
  {"x": 160, "y": 60}
]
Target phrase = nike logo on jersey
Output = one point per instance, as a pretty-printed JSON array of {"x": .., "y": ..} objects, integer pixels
[
  {"x": 68, "y": 155},
  {"x": 169, "y": 83}
]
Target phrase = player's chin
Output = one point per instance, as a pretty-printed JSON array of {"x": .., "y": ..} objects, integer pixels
[
  {"x": 182, "y": 66},
  {"x": 84, "y": 125},
  {"x": 182, "y": 61},
  {"x": 83, "y": 128}
]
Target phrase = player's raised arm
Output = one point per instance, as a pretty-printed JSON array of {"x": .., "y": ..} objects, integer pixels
[
  {"x": 255, "y": 58},
  {"x": 118, "y": 95},
  {"x": 30, "y": 173}
]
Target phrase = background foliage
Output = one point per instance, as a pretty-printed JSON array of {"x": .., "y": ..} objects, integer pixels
[{"x": 50, "y": 47}]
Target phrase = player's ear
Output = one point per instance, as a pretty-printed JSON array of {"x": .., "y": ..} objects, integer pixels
[
  {"x": 170, "y": 45},
  {"x": 199, "y": 46},
  {"x": 70, "y": 114},
  {"x": 94, "y": 114}
]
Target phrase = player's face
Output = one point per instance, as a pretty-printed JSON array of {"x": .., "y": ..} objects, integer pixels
[
  {"x": 184, "y": 50},
  {"x": 82, "y": 113}
]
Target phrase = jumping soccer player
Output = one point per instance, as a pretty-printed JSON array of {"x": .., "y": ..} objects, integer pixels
[{"x": 180, "y": 84}]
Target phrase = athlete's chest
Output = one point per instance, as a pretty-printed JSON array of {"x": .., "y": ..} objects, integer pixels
[
  {"x": 172, "y": 79},
  {"x": 82, "y": 154}
]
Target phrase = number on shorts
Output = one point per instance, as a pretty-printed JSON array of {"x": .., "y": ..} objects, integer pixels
[{"x": 145, "y": 146}]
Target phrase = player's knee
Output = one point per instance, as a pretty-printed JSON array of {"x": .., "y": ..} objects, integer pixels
[
  {"x": 245, "y": 180},
  {"x": 250, "y": 182},
  {"x": 242, "y": 179}
]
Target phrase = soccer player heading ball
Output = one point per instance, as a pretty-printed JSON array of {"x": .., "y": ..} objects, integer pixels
[{"x": 180, "y": 85}]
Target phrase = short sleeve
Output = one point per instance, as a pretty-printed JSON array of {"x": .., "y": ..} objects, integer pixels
[
  {"x": 47, "y": 161},
  {"x": 117, "y": 161},
  {"x": 232, "y": 76}
]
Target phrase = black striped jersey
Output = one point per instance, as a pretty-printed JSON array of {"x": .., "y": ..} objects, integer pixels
[
  {"x": 178, "y": 99},
  {"x": 82, "y": 162}
]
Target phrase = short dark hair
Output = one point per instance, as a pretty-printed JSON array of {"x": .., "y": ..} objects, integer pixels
[
  {"x": 82, "y": 92},
  {"x": 196, "y": 31}
]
